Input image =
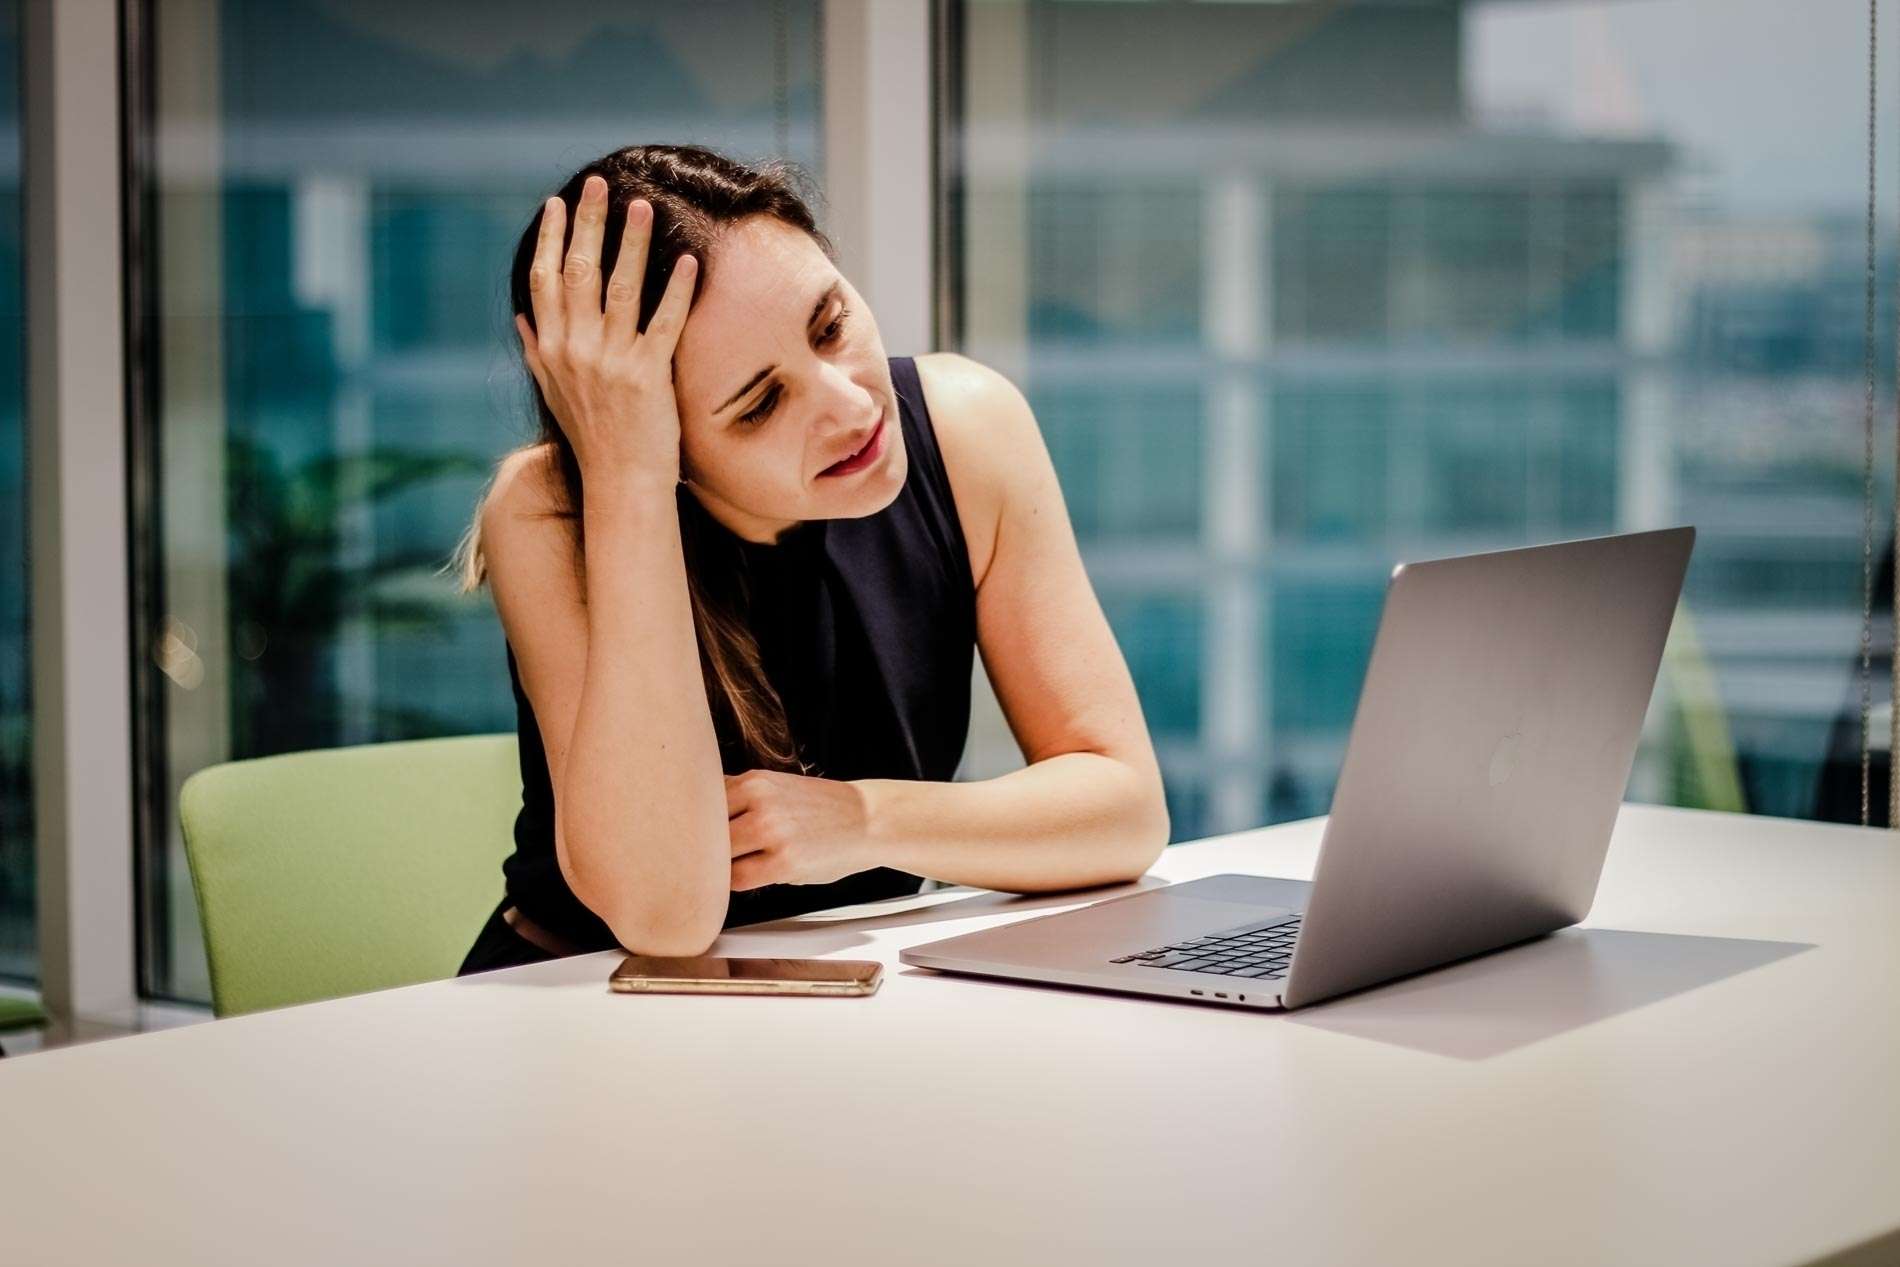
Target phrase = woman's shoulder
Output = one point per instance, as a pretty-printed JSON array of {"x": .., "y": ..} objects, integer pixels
[
  {"x": 987, "y": 434},
  {"x": 524, "y": 506},
  {"x": 527, "y": 481}
]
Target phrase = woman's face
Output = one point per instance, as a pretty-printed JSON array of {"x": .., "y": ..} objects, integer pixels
[{"x": 787, "y": 411}]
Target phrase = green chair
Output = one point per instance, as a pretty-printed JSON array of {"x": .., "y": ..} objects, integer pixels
[
  {"x": 327, "y": 873},
  {"x": 1706, "y": 771},
  {"x": 17, "y": 1014}
]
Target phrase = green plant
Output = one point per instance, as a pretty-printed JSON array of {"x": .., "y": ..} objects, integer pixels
[{"x": 293, "y": 589}]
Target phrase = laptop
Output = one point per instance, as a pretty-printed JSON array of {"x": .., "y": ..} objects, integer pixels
[{"x": 1488, "y": 758}]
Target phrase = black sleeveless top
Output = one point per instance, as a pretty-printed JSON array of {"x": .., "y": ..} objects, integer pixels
[{"x": 866, "y": 628}]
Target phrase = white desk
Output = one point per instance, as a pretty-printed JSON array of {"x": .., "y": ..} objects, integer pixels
[{"x": 1698, "y": 1090}]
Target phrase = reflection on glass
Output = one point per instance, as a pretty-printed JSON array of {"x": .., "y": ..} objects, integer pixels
[
  {"x": 1302, "y": 290},
  {"x": 19, "y": 954},
  {"x": 338, "y": 186}
]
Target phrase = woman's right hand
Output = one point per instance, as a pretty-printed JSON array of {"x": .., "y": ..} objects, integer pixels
[{"x": 610, "y": 386}]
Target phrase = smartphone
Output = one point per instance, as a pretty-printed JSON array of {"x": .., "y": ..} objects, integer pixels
[{"x": 708, "y": 974}]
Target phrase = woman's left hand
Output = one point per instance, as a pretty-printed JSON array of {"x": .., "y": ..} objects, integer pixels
[{"x": 795, "y": 829}]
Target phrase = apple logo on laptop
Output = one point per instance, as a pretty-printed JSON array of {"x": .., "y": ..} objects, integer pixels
[{"x": 1504, "y": 759}]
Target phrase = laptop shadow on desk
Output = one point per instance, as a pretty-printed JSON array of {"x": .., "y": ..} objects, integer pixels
[{"x": 1497, "y": 1003}]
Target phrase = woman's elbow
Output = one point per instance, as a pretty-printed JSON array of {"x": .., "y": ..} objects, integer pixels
[
  {"x": 1159, "y": 831},
  {"x": 679, "y": 922},
  {"x": 1153, "y": 825},
  {"x": 1152, "y": 837},
  {"x": 678, "y": 930},
  {"x": 669, "y": 943},
  {"x": 1142, "y": 830}
]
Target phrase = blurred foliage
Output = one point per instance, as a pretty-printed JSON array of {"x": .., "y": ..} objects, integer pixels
[{"x": 295, "y": 585}]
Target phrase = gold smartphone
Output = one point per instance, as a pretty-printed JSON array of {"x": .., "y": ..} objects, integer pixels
[{"x": 708, "y": 974}]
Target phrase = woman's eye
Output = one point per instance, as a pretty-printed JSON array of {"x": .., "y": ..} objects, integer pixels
[
  {"x": 834, "y": 330},
  {"x": 832, "y": 333},
  {"x": 764, "y": 410}
]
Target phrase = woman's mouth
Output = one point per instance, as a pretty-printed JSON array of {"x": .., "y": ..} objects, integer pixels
[{"x": 873, "y": 450}]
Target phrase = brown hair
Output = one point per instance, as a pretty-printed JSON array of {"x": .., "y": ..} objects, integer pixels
[{"x": 695, "y": 194}]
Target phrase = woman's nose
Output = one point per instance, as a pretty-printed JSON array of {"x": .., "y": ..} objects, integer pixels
[{"x": 847, "y": 406}]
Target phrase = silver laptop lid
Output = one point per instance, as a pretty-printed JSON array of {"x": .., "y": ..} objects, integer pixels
[{"x": 1489, "y": 754}]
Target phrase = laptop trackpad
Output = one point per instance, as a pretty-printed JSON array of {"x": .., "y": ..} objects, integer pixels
[{"x": 1251, "y": 890}]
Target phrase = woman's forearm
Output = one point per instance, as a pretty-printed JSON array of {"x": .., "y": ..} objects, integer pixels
[
  {"x": 1067, "y": 821},
  {"x": 642, "y": 806}
]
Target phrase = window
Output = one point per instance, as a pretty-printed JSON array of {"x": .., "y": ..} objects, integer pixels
[
  {"x": 1300, "y": 291},
  {"x": 337, "y": 187},
  {"x": 19, "y": 955}
]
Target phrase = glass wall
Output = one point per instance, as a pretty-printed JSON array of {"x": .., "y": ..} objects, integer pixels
[
  {"x": 19, "y": 955},
  {"x": 337, "y": 187},
  {"x": 1301, "y": 290}
]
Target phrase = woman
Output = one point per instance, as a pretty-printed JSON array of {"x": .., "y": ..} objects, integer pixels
[{"x": 742, "y": 575}]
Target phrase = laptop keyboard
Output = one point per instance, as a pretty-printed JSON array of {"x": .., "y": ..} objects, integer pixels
[{"x": 1251, "y": 951}]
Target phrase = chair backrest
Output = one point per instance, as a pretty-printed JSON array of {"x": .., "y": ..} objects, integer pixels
[
  {"x": 327, "y": 873},
  {"x": 19, "y": 1013}
]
